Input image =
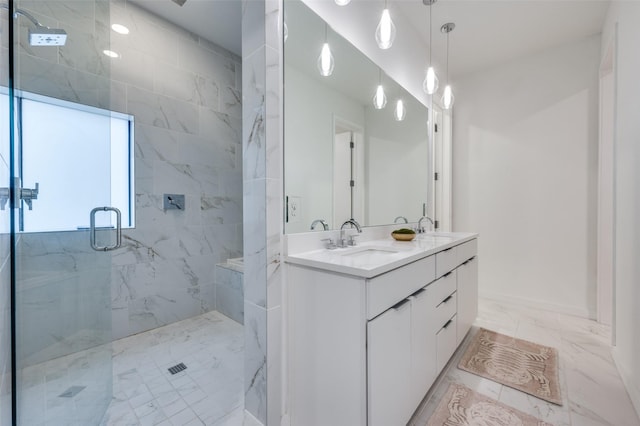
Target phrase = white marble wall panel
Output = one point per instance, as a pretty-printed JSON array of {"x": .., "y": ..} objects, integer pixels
[
  {"x": 205, "y": 62},
  {"x": 81, "y": 15},
  {"x": 263, "y": 215},
  {"x": 229, "y": 292},
  {"x": 83, "y": 50},
  {"x": 161, "y": 111},
  {"x": 185, "y": 95},
  {"x": 255, "y": 360}
]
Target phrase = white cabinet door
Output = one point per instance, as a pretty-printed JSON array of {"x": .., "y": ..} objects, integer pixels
[
  {"x": 423, "y": 343},
  {"x": 388, "y": 366},
  {"x": 467, "y": 296}
]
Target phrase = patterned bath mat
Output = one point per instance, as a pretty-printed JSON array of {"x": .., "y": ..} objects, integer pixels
[
  {"x": 461, "y": 406},
  {"x": 516, "y": 363}
]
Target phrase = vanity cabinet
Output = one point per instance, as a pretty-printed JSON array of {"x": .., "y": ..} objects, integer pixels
[
  {"x": 365, "y": 351},
  {"x": 389, "y": 366}
]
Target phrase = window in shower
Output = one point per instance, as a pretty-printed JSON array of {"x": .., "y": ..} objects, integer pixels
[{"x": 79, "y": 154}]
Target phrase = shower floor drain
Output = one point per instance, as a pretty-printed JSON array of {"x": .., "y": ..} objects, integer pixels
[
  {"x": 177, "y": 368},
  {"x": 71, "y": 392}
]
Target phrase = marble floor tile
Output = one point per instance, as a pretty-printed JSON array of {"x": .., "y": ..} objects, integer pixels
[
  {"x": 210, "y": 345},
  {"x": 210, "y": 390},
  {"x": 592, "y": 390}
]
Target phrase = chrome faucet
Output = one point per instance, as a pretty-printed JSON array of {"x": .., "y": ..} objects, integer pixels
[
  {"x": 342, "y": 243},
  {"x": 321, "y": 222},
  {"x": 420, "y": 228},
  {"x": 400, "y": 218}
]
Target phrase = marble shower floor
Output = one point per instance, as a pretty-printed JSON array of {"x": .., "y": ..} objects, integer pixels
[
  {"x": 592, "y": 390},
  {"x": 209, "y": 392}
]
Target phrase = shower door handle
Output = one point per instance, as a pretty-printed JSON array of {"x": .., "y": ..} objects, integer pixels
[{"x": 92, "y": 230}]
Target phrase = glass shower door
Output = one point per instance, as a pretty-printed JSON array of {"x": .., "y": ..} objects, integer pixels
[{"x": 62, "y": 171}]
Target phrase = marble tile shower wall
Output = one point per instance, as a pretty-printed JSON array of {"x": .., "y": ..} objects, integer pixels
[
  {"x": 263, "y": 216},
  {"x": 185, "y": 95}
]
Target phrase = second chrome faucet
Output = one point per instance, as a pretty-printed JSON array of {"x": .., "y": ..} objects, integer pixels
[{"x": 342, "y": 242}]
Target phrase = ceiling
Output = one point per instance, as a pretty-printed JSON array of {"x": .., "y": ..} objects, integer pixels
[
  {"x": 490, "y": 32},
  {"x": 487, "y": 33}
]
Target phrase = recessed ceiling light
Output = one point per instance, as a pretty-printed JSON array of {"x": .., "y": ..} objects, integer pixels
[
  {"x": 120, "y": 29},
  {"x": 111, "y": 53}
]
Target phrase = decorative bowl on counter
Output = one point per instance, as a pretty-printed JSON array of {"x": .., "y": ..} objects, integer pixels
[{"x": 403, "y": 234}]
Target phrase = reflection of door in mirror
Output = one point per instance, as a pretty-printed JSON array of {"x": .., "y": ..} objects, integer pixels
[
  {"x": 442, "y": 155},
  {"x": 348, "y": 172}
]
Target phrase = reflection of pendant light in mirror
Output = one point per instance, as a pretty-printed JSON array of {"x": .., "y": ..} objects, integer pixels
[
  {"x": 400, "y": 112},
  {"x": 342, "y": 2},
  {"x": 386, "y": 30},
  {"x": 447, "y": 97},
  {"x": 379, "y": 99},
  {"x": 430, "y": 83},
  {"x": 325, "y": 60}
]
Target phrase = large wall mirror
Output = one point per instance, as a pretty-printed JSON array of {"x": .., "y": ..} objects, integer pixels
[{"x": 344, "y": 158}]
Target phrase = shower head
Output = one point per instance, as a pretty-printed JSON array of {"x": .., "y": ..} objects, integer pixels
[
  {"x": 45, "y": 36},
  {"x": 40, "y": 35}
]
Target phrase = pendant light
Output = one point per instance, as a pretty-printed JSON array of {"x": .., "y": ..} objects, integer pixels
[
  {"x": 400, "y": 112},
  {"x": 430, "y": 83},
  {"x": 386, "y": 30},
  {"x": 325, "y": 60},
  {"x": 447, "y": 96},
  {"x": 379, "y": 99},
  {"x": 342, "y": 2}
]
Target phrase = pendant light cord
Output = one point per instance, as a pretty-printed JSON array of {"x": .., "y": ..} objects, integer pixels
[
  {"x": 430, "y": 31},
  {"x": 325, "y": 32},
  {"x": 448, "y": 57}
]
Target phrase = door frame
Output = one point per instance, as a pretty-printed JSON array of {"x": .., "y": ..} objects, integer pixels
[
  {"x": 606, "y": 215},
  {"x": 341, "y": 125}
]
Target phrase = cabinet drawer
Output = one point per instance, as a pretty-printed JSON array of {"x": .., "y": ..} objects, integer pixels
[
  {"x": 446, "y": 261},
  {"x": 388, "y": 289},
  {"x": 466, "y": 251},
  {"x": 445, "y": 310},
  {"x": 445, "y": 343},
  {"x": 442, "y": 288}
]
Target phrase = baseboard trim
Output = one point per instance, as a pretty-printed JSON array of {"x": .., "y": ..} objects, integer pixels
[
  {"x": 634, "y": 392},
  {"x": 539, "y": 304}
]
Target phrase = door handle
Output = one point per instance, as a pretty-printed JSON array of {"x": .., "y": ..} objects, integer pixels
[{"x": 92, "y": 229}]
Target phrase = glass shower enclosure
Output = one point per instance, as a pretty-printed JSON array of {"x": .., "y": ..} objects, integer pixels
[{"x": 58, "y": 219}]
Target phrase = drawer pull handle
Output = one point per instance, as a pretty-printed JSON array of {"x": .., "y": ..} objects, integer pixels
[
  {"x": 417, "y": 293},
  {"x": 399, "y": 305},
  {"x": 447, "y": 299},
  {"x": 447, "y": 274},
  {"x": 447, "y": 249},
  {"x": 469, "y": 260},
  {"x": 447, "y": 324}
]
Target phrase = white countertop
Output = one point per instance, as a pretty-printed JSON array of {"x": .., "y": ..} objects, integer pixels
[{"x": 376, "y": 257}]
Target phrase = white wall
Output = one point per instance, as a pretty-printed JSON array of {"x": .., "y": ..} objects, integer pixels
[
  {"x": 525, "y": 169},
  {"x": 309, "y": 145},
  {"x": 626, "y": 15}
]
